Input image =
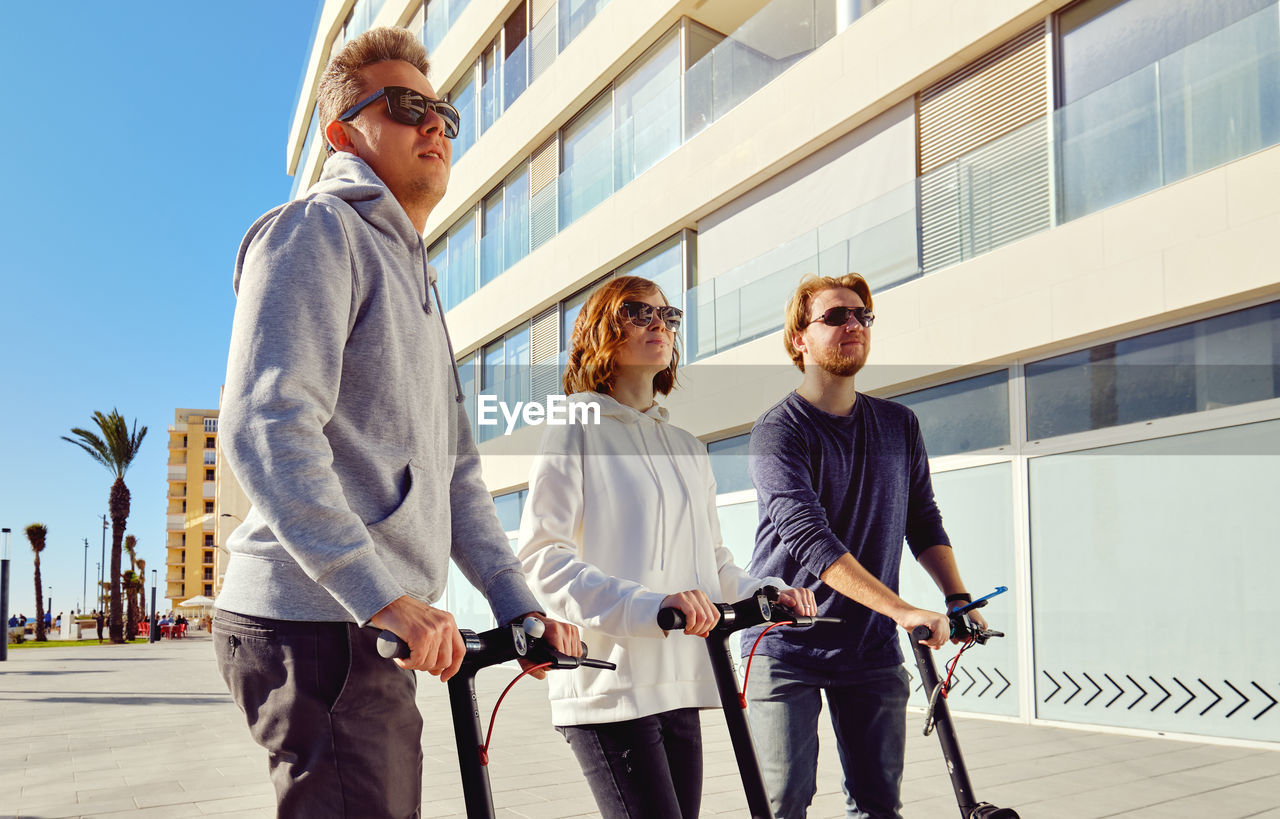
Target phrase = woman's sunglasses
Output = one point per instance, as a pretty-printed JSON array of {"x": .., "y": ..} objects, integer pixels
[
  {"x": 408, "y": 107},
  {"x": 641, "y": 314},
  {"x": 839, "y": 316}
]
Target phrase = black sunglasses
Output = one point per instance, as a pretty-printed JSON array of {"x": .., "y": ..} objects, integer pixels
[
  {"x": 839, "y": 316},
  {"x": 409, "y": 107},
  {"x": 641, "y": 314}
]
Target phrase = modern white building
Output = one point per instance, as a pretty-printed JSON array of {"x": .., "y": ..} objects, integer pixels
[{"x": 1069, "y": 219}]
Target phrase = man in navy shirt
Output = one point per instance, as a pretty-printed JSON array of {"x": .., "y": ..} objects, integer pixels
[{"x": 842, "y": 479}]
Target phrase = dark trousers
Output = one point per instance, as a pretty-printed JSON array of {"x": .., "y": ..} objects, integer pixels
[
  {"x": 642, "y": 768},
  {"x": 339, "y": 722}
]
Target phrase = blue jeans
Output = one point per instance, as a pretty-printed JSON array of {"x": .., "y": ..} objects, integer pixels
[
  {"x": 869, "y": 715},
  {"x": 642, "y": 768}
]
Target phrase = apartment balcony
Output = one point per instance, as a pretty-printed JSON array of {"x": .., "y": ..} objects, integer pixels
[
  {"x": 208, "y": 522},
  {"x": 177, "y": 472},
  {"x": 210, "y": 490},
  {"x": 210, "y": 457},
  {"x": 178, "y": 492},
  {"x": 175, "y": 523}
]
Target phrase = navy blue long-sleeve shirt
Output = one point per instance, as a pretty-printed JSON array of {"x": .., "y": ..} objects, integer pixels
[{"x": 831, "y": 485}]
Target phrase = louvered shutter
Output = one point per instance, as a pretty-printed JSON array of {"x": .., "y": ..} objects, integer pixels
[
  {"x": 984, "y": 153},
  {"x": 544, "y": 165}
]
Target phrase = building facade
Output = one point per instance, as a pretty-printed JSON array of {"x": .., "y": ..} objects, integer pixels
[
  {"x": 192, "y": 559},
  {"x": 1066, "y": 212}
]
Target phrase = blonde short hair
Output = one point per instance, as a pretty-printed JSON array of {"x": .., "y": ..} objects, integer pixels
[
  {"x": 341, "y": 85},
  {"x": 798, "y": 308}
]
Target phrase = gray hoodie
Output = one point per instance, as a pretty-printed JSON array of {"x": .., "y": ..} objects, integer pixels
[{"x": 339, "y": 419}]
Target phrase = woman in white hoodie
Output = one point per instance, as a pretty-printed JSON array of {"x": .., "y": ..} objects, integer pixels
[{"x": 620, "y": 522}]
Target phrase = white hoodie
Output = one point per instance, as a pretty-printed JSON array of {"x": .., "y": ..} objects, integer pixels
[{"x": 619, "y": 515}]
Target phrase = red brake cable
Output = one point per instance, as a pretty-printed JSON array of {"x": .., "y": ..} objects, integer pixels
[
  {"x": 488, "y": 736},
  {"x": 742, "y": 695}
]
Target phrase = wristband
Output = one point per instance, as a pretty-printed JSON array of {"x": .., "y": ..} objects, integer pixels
[{"x": 962, "y": 596}]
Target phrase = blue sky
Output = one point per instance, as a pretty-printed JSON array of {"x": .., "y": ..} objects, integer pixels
[{"x": 143, "y": 138}]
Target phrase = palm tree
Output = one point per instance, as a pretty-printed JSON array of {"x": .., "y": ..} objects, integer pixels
[
  {"x": 142, "y": 590},
  {"x": 115, "y": 449},
  {"x": 130, "y": 606},
  {"x": 37, "y": 533},
  {"x": 129, "y": 580}
]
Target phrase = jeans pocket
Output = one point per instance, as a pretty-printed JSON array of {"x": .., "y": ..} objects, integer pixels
[{"x": 237, "y": 625}]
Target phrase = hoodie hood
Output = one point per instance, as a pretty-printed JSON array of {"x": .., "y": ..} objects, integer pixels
[
  {"x": 612, "y": 408},
  {"x": 349, "y": 178}
]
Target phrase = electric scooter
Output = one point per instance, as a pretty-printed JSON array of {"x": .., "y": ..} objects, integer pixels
[
  {"x": 939, "y": 716},
  {"x": 756, "y": 610},
  {"x": 519, "y": 640}
]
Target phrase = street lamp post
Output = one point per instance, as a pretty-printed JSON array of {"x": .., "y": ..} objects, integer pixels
[
  {"x": 4, "y": 592},
  {"x": 153, "y": 633},
  {"x": 98, "y": 603},
  {"x": 84, "y": 590}
]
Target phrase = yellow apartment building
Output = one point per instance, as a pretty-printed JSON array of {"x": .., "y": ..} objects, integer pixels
[{"x": 191, "y": 555}]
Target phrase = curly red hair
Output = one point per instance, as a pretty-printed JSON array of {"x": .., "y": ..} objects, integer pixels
[{"x": 598, "y": 334}]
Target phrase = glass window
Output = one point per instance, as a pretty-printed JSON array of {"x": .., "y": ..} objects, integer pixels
[
  {"x": 963, "y": 416},
  {"x": 492, "y": 377},
  {"x": 977, "y": 510},
  {"x": 1151, "y": 91},
  {"x": 467, "y": 376},
  {"x": 516, "y": 386},
  {"x": 516, "y": 215},
  {"x": 1101, "y": 41},
  {"x": 438, "y": 258},
  {"x": 504, "y": 374},
  {"x": 1218, "y": 362},
  {"x": 490, "y": 99},
  {"x": 646, "y": 110},
  {"x": 574, "y": 16},
  {"x": 515, "y": 64},
  {"x": 729, "y": 464},
  {"x": 491, "y": 237},
  {"x": 664, "y": 266},
  {"x": 437, "y": 25},
  {"x": 510, "y": 506},
  {"x": 1119, "y": 527},
  {"x": 587, "y": 161},
  {"x": 569, "y": 310},
  {"x": 461, "y": 281},
  {"x": 463, "y": 98}
]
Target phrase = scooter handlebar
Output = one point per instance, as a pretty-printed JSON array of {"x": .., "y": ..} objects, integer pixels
[
  {"x": 763, "y": 607},
  {"x": 500, "y": 645}
]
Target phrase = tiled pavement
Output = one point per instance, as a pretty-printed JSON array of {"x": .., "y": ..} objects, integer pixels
[{"x": 149, "y": 731}]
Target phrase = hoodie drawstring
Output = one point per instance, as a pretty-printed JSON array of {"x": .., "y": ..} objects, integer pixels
[{"x": 453, "y": 362}]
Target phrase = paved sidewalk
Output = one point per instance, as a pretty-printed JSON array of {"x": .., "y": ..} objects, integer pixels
[{"x": 149, "y": 731}]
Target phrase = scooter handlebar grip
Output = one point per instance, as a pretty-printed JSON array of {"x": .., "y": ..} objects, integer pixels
[
  {"x": 671, "y": 619},
  {"x": 391, "y": 646},
  {"x": 921, "y": 633}
]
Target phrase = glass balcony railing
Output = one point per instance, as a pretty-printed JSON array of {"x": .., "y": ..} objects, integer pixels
[
  {"x": 1210, "y": 103},
  {"x": 774, "y": 39},
  {"x": 515, "y": 73},
  {"x": 1207, "y": 104},
  {"x": 877, "y": 239}
]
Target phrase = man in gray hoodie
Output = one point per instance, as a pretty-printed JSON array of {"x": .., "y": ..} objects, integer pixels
[{"x": 342, "y": 419}]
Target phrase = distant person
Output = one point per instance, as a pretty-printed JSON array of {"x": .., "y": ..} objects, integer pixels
[
  {"x": 343, "y": 419},
  {"x": 842, "y": 479},
  {"x": 13, "y": 621},
  {"x": 99, "y": 619}
]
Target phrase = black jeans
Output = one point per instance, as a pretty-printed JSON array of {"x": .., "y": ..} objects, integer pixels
[
  {"x": 642, "y": 768},
  {"x": 339, "y": 722}
]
